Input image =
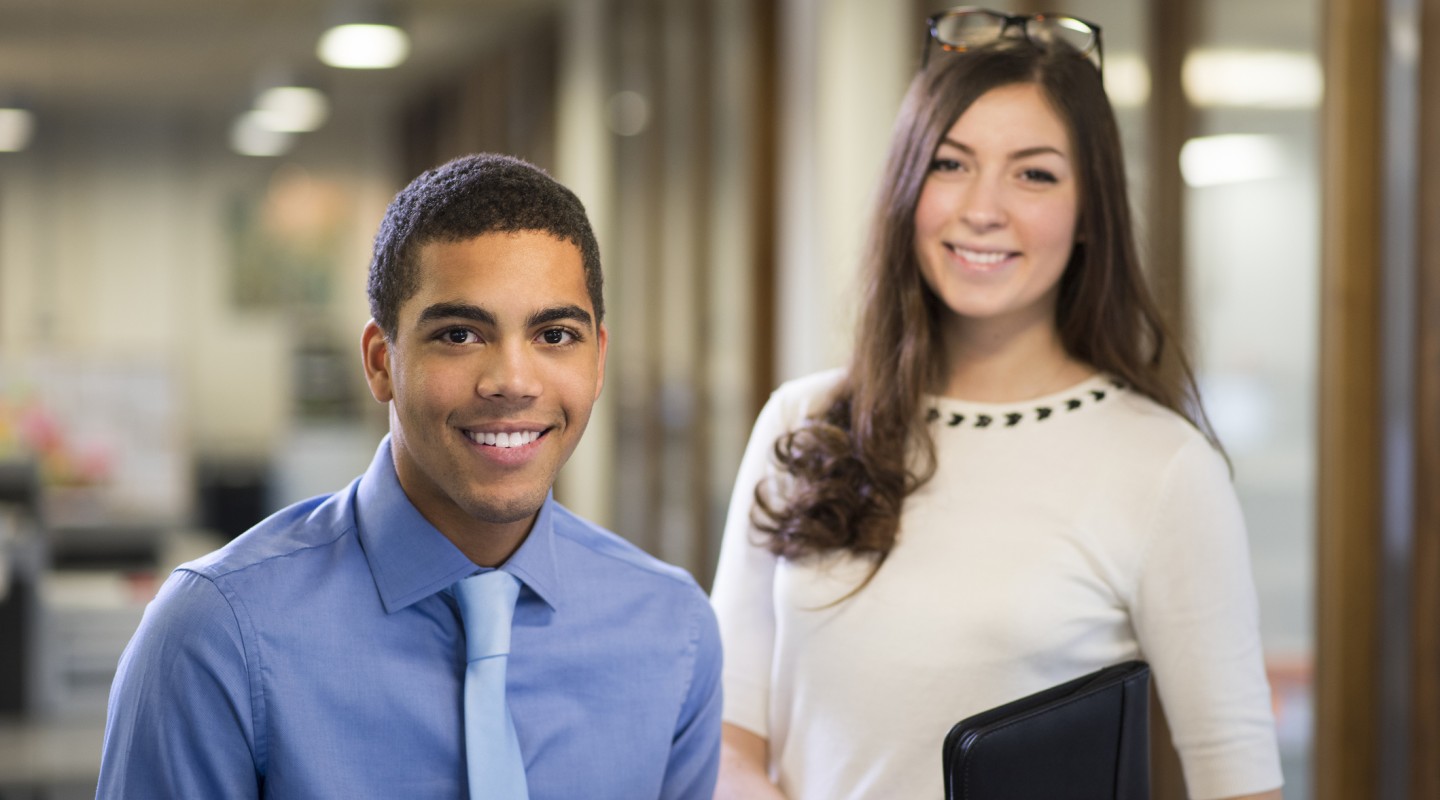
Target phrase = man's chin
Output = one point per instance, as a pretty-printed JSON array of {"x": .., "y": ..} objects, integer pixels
[{"x": 506, "y": 511}]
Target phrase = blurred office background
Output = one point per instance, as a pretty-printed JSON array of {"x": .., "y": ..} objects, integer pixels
[{"x": 182, "y": 287}]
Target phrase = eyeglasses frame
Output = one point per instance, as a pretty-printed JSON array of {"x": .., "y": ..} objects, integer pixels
[{"x": 932, "y": 32}]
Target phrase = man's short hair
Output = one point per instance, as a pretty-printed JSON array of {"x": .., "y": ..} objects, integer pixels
[{"x": 468, "y": 197}]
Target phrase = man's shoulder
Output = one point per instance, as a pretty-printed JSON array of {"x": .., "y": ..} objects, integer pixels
[
  {"x": 619, "y": 555},
  {"x": 307, "y": 526}
]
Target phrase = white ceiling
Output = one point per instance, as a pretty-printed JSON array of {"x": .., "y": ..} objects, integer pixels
[
  {"x": 200, "y": 63},
  {"x": 209, "y": 57}
]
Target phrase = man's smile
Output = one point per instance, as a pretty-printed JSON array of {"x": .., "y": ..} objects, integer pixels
[{"x": 505, "y": 438}]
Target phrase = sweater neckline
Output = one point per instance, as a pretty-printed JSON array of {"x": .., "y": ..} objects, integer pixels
[{"x": 950, "y": 412}]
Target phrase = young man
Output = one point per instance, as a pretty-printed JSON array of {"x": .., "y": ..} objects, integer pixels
[{"x": 323, "y": 653}]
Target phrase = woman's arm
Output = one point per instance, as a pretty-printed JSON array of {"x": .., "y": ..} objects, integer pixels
[
  {"x": 743, "y": 773},
  {"x": 1196, "y": 616},
  {"x": 743, "y": 597}
]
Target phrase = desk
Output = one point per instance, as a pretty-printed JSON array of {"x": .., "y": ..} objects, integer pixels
[{"x": 53, "y": 760}]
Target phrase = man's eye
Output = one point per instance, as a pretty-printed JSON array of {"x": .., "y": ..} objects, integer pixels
[
  {"x": 557, "y": 336},
  {"x": 458, "y": 336}
]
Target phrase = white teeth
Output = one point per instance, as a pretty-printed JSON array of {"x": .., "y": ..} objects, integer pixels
[
  {"x": 516, "y": 439},
  {"x": 978, "y": 257}
]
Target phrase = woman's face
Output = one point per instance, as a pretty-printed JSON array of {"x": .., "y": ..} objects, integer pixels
[{"x": 996, "y": 219}]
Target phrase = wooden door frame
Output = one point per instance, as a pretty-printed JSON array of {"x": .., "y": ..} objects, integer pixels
[
  {"x": 1170, "y": 121},
  {"x": 1349, "y": 491},
  {"x": 1425, "y": 576},
  {"x": 1351, "y": 717}
]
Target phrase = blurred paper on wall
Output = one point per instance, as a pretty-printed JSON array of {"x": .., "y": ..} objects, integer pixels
[{"x": 104, "y": 438}]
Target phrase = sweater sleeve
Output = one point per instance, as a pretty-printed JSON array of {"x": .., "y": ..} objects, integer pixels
[
  {"x": 743, "y": 591},
  {"x": 1197, "y": 621}
]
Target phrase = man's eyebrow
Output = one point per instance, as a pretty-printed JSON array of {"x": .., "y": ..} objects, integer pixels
[
  {"x": 456, "y": 311},
  {"x": 573, "y": 313},
  {"x": 1018, "y": 154},
  {"x": 474, "y": 313}
]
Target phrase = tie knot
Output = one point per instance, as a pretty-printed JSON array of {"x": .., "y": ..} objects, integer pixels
[{"x": 487, "y": 604}]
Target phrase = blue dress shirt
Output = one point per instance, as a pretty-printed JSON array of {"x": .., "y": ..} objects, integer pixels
[{"x": 321, "y": 655}]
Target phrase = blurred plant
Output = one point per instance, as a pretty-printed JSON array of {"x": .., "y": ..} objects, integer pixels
[{"x": 29, "y": 431}]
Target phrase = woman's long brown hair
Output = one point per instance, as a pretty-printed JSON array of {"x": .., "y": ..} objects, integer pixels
[{"x": 856, "y": 462}]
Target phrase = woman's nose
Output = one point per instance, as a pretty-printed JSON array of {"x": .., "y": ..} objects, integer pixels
[{"x": 981, "y": 206}]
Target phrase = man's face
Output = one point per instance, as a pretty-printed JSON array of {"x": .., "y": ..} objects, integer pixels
[{"x": 496, "y": 362}]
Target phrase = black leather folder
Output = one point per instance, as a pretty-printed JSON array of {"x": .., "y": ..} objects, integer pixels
[{"x": 1085, "y": 739}]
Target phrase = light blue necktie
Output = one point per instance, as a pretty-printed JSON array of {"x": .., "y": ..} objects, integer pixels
[{"x": 492, "y": 752}]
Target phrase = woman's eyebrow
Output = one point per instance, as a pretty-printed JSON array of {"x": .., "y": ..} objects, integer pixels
[
  {"x": 1027, "y": 152},
  {"x": 1040, "y": 150}
]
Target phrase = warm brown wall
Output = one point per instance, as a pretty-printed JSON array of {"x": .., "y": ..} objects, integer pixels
[
  {"x": 1349, "y": 491},
  {"x": 504, "y": 103},
  {"x": 1425, "y": 747}
]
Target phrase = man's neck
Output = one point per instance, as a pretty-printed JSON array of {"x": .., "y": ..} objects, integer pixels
[{"x": 489, "y": 544}]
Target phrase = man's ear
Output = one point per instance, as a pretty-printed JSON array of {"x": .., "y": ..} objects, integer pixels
[
  {"x": 375, "y": 354},
  {"x": 603, "y": 338}
]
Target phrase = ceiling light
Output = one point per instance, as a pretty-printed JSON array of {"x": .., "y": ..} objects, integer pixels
[
  {"x": 364, "y": 46},
  {"x": 16, "y": 127},
  {"x": 292, "y": 109},
  {"x": 1231, "y": 158},
  {"x": 1252, "y": 79},
  {"x": 250, "y": 137},
  {"x": 1127, "y": 81}
]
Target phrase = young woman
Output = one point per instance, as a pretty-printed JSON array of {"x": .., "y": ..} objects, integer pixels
[{"x": 1010, "y": 485}]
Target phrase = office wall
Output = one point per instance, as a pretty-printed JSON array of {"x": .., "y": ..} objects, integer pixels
[{"x": 120, "y": 243}]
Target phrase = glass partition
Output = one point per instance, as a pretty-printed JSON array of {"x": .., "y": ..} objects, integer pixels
[{"x": 1252, "y": 267}]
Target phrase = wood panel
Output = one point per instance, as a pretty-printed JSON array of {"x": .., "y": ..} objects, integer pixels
[
  {"x": 685, "y": 187},
  {"x": 1425, "y": 676},
  {"x": 765, "y": 183},
  {"x": 675, "y": 420},
  {"x": 634, "y": 371},
  {"x": 1170, "y": 120},
  {"x": 1349, "y": 493},
  {"x": 504, "y": 102}
]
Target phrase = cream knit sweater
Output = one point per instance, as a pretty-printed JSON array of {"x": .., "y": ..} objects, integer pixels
[{"x": 1058, "y": 536}]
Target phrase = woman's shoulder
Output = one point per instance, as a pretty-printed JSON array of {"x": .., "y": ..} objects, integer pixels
[
  {"x": 1157, "y": 434},
  {"x": 806, "y": 396}
]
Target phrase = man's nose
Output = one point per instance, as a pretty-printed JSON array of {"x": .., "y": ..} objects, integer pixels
[{"x": 509, "y": 372}]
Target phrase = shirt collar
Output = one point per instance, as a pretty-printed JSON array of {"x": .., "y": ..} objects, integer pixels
[
  {"x": 535, "y": 562},
  {"x": 410, "y": 559}
]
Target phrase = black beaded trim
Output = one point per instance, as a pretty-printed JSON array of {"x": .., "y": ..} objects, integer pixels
[{"x": 1014, "y": 418}]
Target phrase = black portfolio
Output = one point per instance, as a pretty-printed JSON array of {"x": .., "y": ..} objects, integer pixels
[{"x": 1085, "y": 739}]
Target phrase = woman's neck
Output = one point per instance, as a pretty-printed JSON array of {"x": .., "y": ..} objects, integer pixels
[{"x": 992, "y": 361}]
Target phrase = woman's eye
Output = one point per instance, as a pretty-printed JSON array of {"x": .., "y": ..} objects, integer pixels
[
  {"x": 557, "y": 336},
  {"x": 1039, "y": 176},
  {"x": 944, "y": 165}
]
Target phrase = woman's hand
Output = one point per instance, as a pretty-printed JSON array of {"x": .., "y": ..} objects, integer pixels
[{"x": 743, "y": 773}]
